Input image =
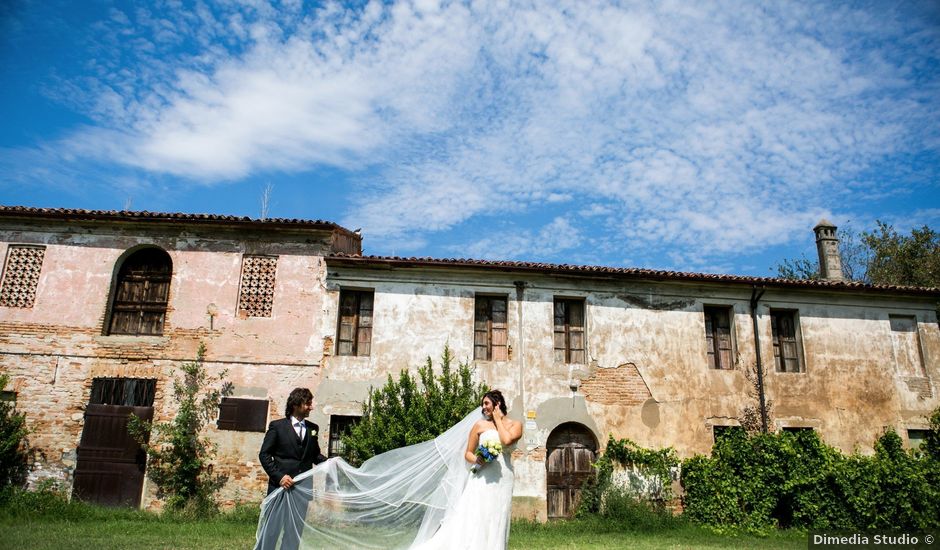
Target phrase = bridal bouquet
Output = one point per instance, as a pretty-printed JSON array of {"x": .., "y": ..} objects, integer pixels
[{"x": 489, "y": 451}]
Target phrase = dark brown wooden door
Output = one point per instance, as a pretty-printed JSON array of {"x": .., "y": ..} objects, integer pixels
[
  {"x": 572, "y": 450},
  {"x": 142, "y": 293},
  {"x": 111, "y": 464}
]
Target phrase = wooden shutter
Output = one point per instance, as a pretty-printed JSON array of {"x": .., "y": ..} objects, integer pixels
[
  {"x": 561, "y": 333},
  {"x": 354, "y": 335},
  {"x": 364, "y": 332},
  {"x": 490, "y": 340},
  {"x": 499, "y": 342},
  {"x": 243, "y": 415},
  {"x": 576, "y": 331},
  {"x": 141, "y": 294},
  {"x": 718, "y": 337},
  {"x": 786, "y": 347},
  {"x": 481, "y": 322}
]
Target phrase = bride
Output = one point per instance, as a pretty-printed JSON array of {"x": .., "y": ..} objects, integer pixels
[{"x": 434, "y": 495}]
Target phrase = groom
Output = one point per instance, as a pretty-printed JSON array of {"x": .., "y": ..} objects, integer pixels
[{"x": 290, "y": 447}]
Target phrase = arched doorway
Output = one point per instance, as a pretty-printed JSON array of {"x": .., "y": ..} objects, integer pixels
[{"x": 571, "y": 449}]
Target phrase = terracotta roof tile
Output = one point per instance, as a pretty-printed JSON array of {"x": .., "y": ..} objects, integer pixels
[
  {"x": 127, "y": 215},
  {"x": 626, "y": 272}
]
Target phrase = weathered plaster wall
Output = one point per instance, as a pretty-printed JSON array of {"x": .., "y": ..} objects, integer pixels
[
  {"x": 55, "y": 349},
  {"x": 646, "y": 376}
]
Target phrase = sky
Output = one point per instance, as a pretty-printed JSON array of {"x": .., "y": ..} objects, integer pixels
[{"x": 690, "y": 136}]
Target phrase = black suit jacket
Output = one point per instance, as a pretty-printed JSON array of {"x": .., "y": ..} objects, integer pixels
[{"x": 283, "y": 453}]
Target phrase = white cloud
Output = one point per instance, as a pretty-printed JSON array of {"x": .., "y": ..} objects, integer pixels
[{"x": 713, "y": 128}]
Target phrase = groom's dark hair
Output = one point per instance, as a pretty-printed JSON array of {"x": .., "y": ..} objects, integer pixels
[
  {"x": 297, "y": 398},
  {"x": 497, "y": 398}
]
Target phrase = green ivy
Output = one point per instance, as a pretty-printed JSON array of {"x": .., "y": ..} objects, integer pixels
[
  {"x": 656, "y": 463},
  {"x": 795, "y": 480}
]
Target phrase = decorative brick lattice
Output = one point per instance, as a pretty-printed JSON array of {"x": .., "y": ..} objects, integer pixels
[
  {"x": 21, "y": 276},
  {"x": 256, "y": 296}
]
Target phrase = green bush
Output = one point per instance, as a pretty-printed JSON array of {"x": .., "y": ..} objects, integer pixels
[
  {"x": 599, "y": 495},
  {"x": 12, "y": 442},
  {"x": 409, "y": 411},
  {"x": 796, "y": 480},
  {"x": 179, "y": 454}
]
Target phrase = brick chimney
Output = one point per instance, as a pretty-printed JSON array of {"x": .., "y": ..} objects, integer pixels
[{"x": 827, "y": 245}]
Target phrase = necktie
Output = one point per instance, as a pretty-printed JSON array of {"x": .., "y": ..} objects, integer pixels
[{"x": 299, "y": 428}]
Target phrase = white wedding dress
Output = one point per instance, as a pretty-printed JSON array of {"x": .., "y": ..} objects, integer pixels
[
  {"x": 421, "y": 497},
  {"x": 480, "y": 518}
]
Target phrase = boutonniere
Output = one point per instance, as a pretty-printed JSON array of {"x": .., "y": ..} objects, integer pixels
[{"x": 313, "y": 433}]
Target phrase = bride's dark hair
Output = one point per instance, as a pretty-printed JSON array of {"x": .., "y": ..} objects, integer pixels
[{"x": 497, "y": 398}]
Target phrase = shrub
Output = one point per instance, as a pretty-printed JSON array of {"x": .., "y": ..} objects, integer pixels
[
  {"x": 601, "y": 494},
  {"x": 796, "y": 480},
  {"x": 408, "y": 411},
  {"x": 180, "y": 455},
  {"x": 13, "y": 433}
]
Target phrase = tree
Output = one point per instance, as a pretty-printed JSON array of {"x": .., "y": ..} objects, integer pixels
[
  {"x": 855, "y": 257},
  {"x": 902, "y": 260},
  {"x": 881, "y": 257},
  {"x": 752, "y": 418},
  {"x": 180, "y": 455},
  {"x": 408, "y": 411},
  {"x": 13, "y": 433}
]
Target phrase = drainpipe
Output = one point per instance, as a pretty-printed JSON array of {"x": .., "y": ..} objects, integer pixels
[
  {"x": 520, "y": 342},
  {"x": 755, "y": 297}
]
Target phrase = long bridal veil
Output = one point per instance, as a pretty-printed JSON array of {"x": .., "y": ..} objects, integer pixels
[{"x": 394, "y": 500}]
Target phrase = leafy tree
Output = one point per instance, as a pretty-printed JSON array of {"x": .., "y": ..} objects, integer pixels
[
  {"x": 879, "y": 257},
  {"x": 13, "y": 432},
  {"x": 409, "y": 410},
  {"x": 902, "y": 260},
  {"x": 855, "y": 257},
  {"x": 180, "y": 455},
  {"x": 931, "y": 445}
]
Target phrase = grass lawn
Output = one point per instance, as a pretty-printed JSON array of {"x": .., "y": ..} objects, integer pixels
[
  {"x": 44, "y": 520},
  {"x": 125, "y": 530}
]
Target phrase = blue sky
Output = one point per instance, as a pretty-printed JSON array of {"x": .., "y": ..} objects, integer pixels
[{"x": 673, "y": 135}]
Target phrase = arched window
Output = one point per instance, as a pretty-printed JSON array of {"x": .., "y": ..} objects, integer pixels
[{"x": 141, "y": 293}]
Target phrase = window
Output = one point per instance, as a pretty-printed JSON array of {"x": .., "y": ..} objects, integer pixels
[
  {"x": 569, "y": 330},
  {"x": 796, "y": 429},
  {"x": 8, "y": 396},
  {"x": 355, "y": 322},
  {"x": 787, "y": 353},
  {"x": 719, "y": 432},
  {"x": 21, "y": 275},
  {"x": 256, "y": 293},
  {"x": 243, "y": 415},
  {"x": 489, "y": 329},
  {"x": 916, "y": 438},
  {"x": 340, "y": 426},
  {"x": 905, "y": 344},
  {"x": 129, "y": 392},
  {"x": 718, "y": 337},
  {"x": 141, "y": 293}
]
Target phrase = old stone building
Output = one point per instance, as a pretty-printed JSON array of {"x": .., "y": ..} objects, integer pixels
[{"x": 97, "y": 309}]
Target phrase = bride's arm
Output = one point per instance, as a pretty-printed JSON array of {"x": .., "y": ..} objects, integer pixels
[
  {"x": 509, "y": 432},
  {"x": 472, "y": 442}
]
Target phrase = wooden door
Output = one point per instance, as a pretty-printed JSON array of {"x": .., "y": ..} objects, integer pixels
[
  {"x": 111, "y": 464},
  {"x": 571, "y": 451}
]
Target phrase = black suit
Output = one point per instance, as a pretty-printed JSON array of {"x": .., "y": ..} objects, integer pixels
[{"x": 283, "y": 453}]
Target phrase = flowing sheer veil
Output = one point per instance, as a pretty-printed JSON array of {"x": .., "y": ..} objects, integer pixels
[{"x": 394, "y": 500}]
